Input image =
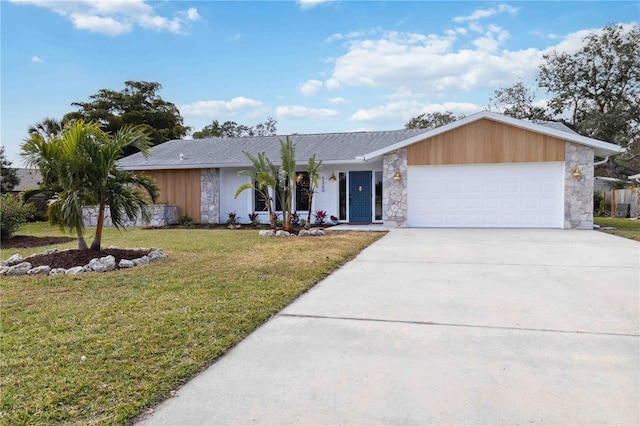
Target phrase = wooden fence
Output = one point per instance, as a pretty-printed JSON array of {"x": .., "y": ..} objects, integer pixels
[{"x": 614, "y": 197}]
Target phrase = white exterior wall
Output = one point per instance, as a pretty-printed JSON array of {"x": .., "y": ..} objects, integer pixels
[{"x": 325, "y": 197}]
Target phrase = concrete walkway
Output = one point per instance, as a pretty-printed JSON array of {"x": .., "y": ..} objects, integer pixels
[{"x": 433, "y": 326}]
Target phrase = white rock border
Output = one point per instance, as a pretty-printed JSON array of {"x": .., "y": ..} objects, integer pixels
[
  {"x": 16, "y": 265},
  {"x": 313, "y": 232}
]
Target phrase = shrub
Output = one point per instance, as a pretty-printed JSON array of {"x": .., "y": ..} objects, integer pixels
[
  {"x": 254, "y": 218},
  {"x": 185, "y": 221},
  {"x": 295, "y": 218},
  {"x": 321, "y": 215},
  {"x": 233, "y": 219},
  {"x": 13, "y": 214}
]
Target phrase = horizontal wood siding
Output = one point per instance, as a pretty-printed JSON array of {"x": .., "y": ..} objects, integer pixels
[
  {"x": 179, "y": 187},
  {"x": 485, "y": 141}
]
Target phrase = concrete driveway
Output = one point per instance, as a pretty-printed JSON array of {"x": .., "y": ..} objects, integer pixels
[{"x": 434, "y": 326}]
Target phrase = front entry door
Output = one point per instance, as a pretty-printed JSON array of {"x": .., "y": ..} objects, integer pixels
[{"x": 360, "y": 197}]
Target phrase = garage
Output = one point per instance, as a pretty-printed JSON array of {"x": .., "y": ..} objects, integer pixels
[{"x": 516, "y": 195}]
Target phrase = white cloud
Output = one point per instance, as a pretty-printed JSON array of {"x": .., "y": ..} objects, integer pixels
[
  {"x": 486, "y": 13},
  {"x": 405, "y": 110},
  {"x": 337, "y": 100},
  {"x": 234, "y": 37},
  {"x": 221, "y": 109},
  {"x": 308, "y": 4},
  {"x": 37, "y": 59},
  {"x": 115, "y": 17},
  {"x": 310, "y": 87},
  {"x": 430, "y": 65},
  {"x": 297, "y": 111}
]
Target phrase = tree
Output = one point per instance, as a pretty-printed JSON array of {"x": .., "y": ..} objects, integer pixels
[
  {"x": 63, "y": 174},
  {"x": 264, "y": 175},
  {"x": 598, "y": 87},
  {"x": 287, "y": 179},
  {"x": 137, "y": 104},
  {"x": 79, "y": 167},
  {"x": 123, "y": 192},
  {"x": 432, "y": 120},
  {"x": 48, "y": 128},
  {"x": 8, "y": 176},
  {"x": 231, "y": 129},
  {"x": 518, "y": 101},
  {"x": 313, "y": 169}
]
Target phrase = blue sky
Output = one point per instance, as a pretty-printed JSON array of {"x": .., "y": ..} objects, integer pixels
[{"x": 314, "y": 66}]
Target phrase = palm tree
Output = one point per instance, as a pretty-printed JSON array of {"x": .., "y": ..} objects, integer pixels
[
  {"x": 48, "y": 128},
  {"x": 58, "y": 158},
  {"x": 313, "y": 169},
  {"x": 287, "y": 179},
  {"x": 264, "y": 175},
  {"x": 124, "y": 192},
  {"x": 79, "y": 167}
]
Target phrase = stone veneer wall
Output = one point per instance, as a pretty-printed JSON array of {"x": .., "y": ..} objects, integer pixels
[
  {"x": 394, "y": 192},
  {"x": 578, "y": 192},
  {"x": 210, "y": 196},
  {"x": 160, "y": 215}
]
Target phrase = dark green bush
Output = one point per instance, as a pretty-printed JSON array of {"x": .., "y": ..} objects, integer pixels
[{"x": 13, "y": 214}]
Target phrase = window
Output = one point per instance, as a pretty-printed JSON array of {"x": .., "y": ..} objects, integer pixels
[
  {"x": 302, "y": 191},
  {"x": 378, "y": 206},
  {"x": 342, "y": 178},
  {"x": 259, "y": 202}
]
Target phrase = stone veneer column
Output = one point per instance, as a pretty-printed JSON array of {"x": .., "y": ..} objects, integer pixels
[
  {"x": 210, "y": 196},
  {"x": 394, "y": 192},
  {"x": 578, "y": 192}
]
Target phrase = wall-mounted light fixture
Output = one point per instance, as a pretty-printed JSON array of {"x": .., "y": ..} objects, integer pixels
[
  {"x": 333, "y": 177},
  {"x": 576, "y": 173},
  {"x": 397, "y": 176}
]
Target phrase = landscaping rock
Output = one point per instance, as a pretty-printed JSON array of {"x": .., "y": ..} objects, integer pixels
[
  {"x": 156, "y": 255},
  {"x": 304, "y": 233},
  {"x": 75, "y": 270},
  {"x": 57, "y": 271},
  {"x": 19, "y": 269},
  {"x": 282, "y": 233},
  {"x": 124, "y": 264},
  {"x": 50, "y": 251},
  {"x": 39, "y": 270},
  {"x": 14, "y": 260},
  {"x": 3, "y": 263},
  {"x": 266, "y": 233},
  {"x": 3, "y": 269},
  {"x": 141, "y": 261},
  {"x": 316, "y": 232},
  {"x": 103, "y": 264}
]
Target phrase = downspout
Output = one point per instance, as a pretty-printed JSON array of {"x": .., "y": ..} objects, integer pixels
[{"x": 599, "y": 163}]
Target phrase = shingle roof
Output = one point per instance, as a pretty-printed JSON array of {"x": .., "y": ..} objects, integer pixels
[
  {"x": 228, "y": 152},
  {"x": 29, "y": 178}
]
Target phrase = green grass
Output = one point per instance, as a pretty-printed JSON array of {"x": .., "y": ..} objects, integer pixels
[
  {"x": 623, "y": 227},
  {"x": 146, "y": 330}
]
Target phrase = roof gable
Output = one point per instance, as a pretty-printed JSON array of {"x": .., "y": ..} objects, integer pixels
[{"x": 557, "y": 130}]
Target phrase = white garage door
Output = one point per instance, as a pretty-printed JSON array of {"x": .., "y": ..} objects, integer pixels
[{"x": 519, "y": 195}]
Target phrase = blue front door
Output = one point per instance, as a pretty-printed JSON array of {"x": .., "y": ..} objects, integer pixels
[{"x": 360, "y": 197}]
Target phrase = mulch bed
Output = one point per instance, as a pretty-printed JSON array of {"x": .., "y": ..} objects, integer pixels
[
  {"x": 66, "y": 258},
  {"x": 70, "y": 258},
  {"x": 27, "y": 241}
]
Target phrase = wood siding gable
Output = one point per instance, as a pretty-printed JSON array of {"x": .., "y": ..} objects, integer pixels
[{"x": 486, "y": 141}]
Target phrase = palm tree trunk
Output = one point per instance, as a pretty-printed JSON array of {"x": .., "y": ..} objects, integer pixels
[
  {"x": 97, "y": 240},
  {"x": 82, "y": 244},
  {"x": 308, "y": 224}
]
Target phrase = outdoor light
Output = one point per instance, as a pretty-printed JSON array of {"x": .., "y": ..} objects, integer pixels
[
  {"x": 576, "y": 172},
  {"x": 397, "y": 176},
  {"x": 333, "y": 177}
]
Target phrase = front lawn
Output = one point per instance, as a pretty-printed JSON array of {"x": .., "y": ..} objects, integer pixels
[
  {"x": 102, "y": 348},
  {"x": 623, "y": 227}
]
